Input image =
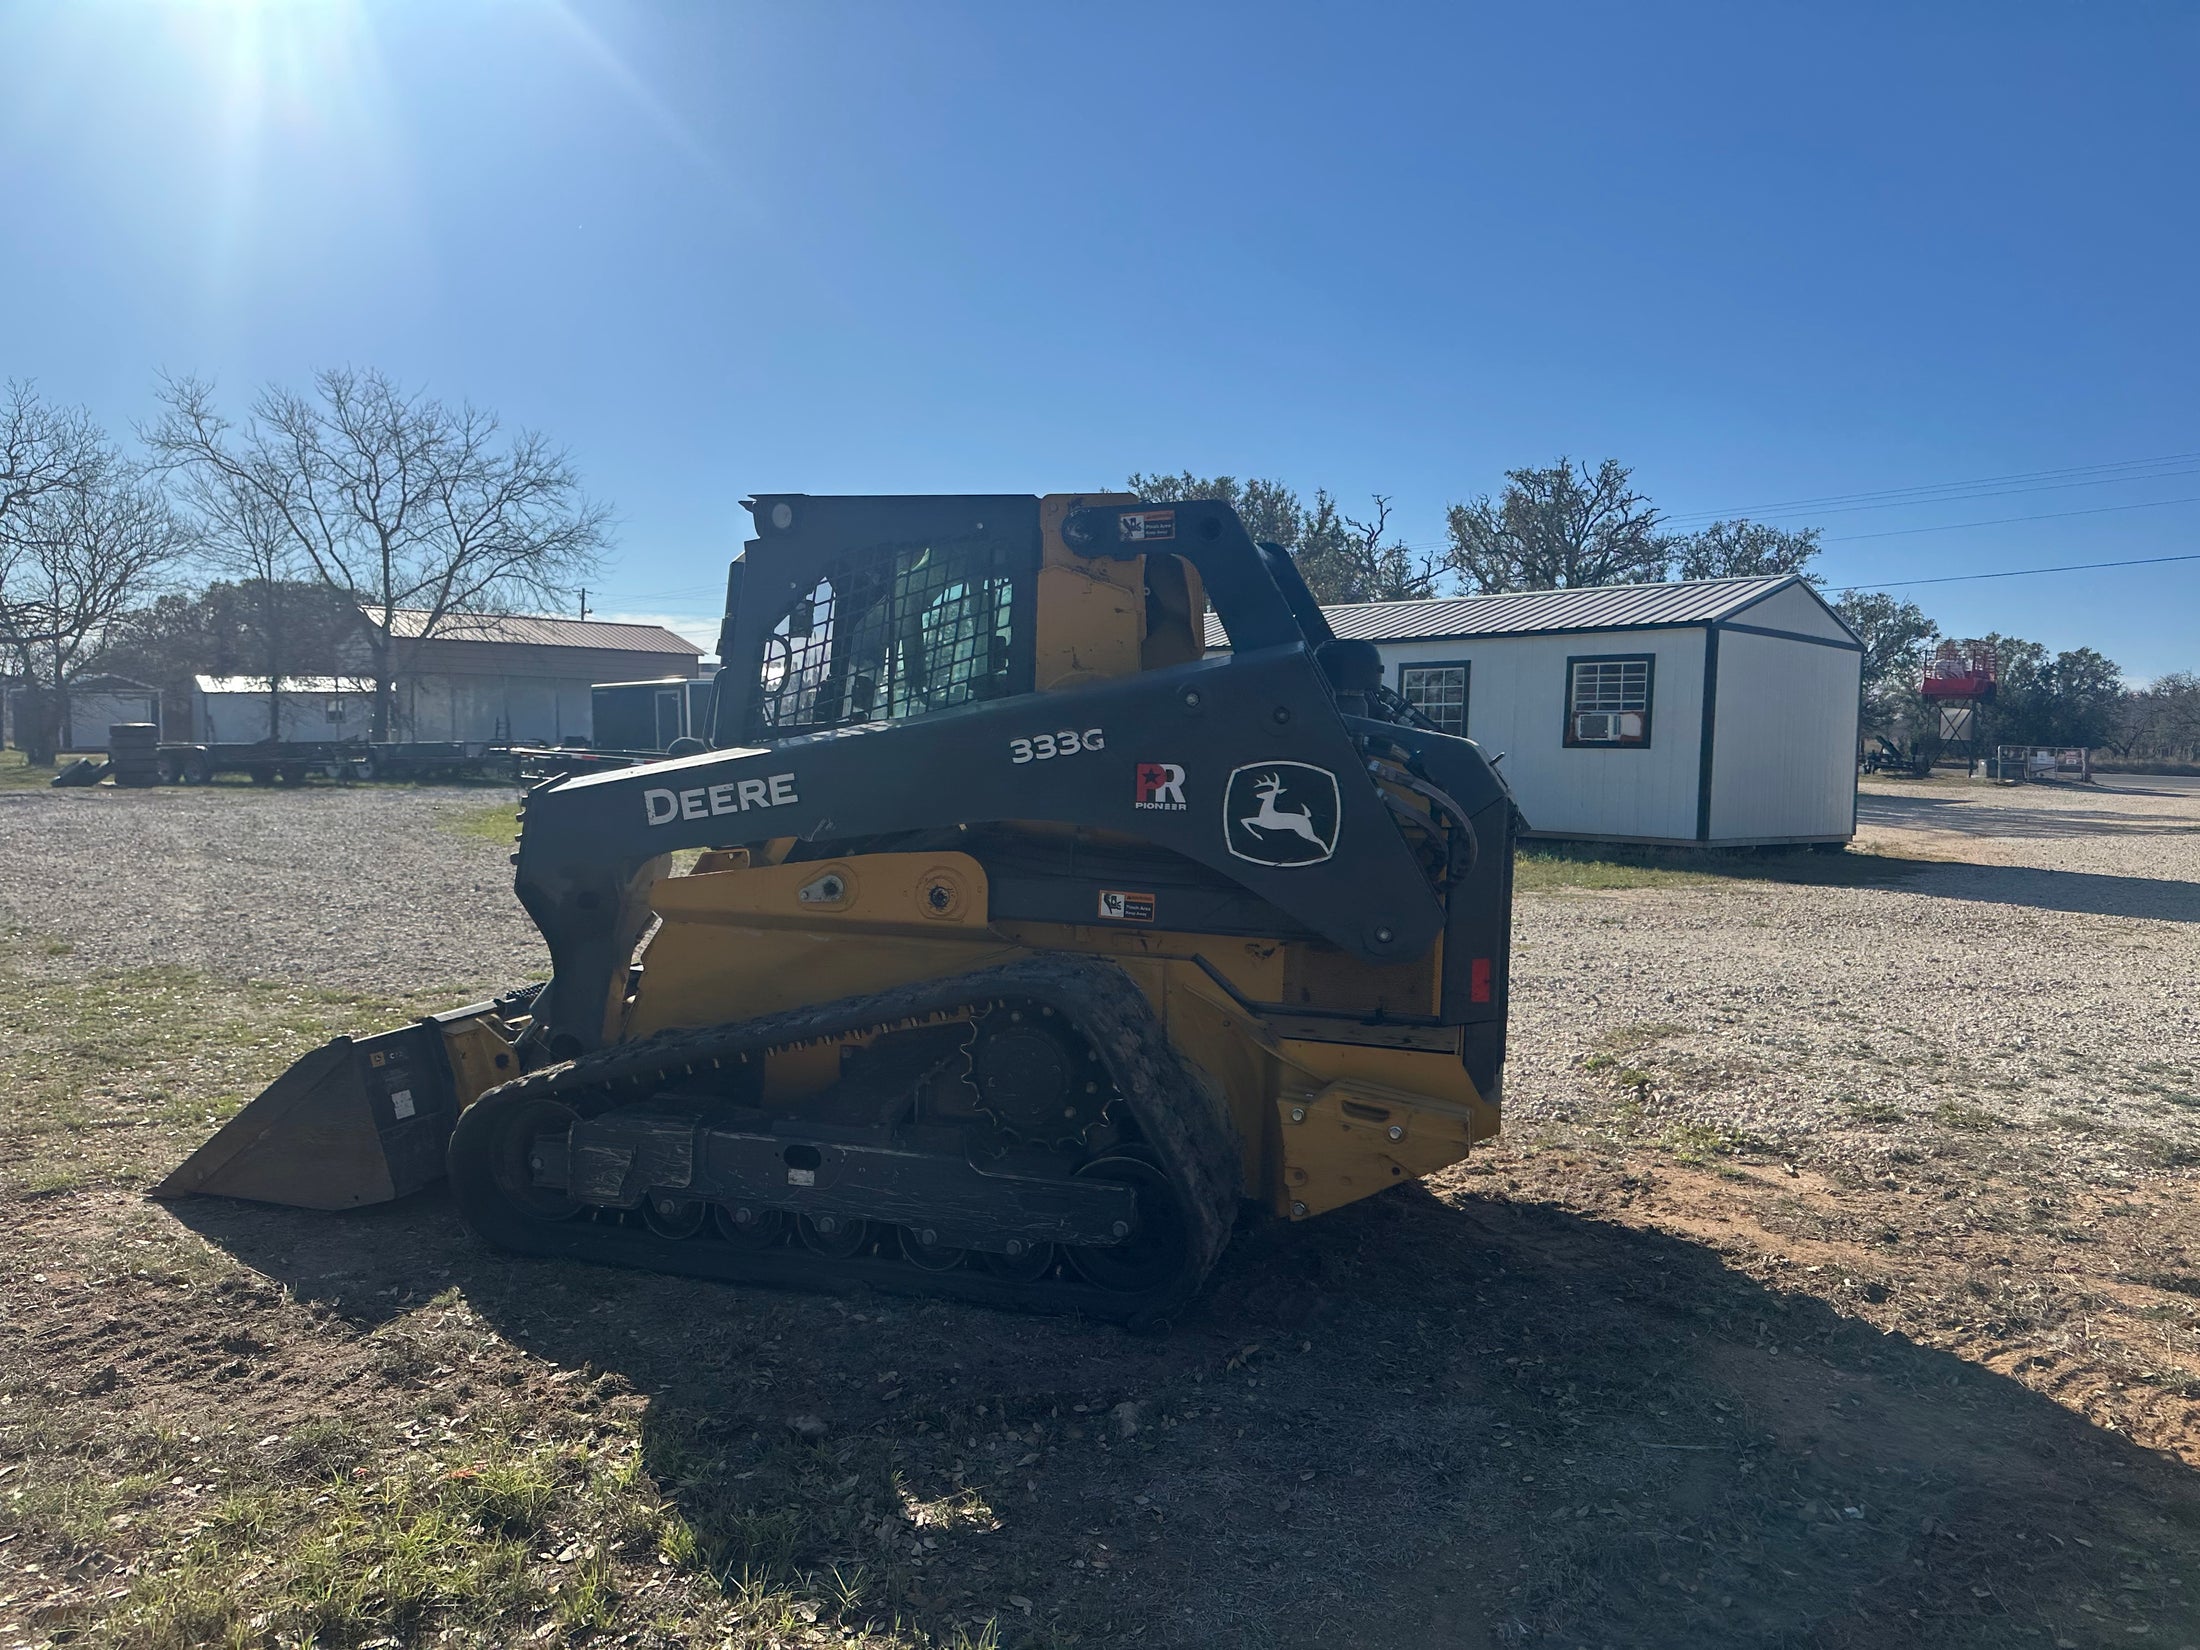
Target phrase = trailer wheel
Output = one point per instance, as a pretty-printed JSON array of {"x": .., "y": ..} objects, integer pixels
[
  {"x": 367, "y": 769},
  {"x": 263, "y": 775},
  {"x": 198, "y": 768},
  {"x": 293, "y": 773},
  {"x": 171, "y": 767}
]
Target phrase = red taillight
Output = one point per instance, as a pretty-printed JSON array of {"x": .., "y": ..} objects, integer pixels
[{"x": 1478, "y": 981}]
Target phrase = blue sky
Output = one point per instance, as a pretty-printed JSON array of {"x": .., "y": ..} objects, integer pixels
[{"x": 1760, "y": 253}]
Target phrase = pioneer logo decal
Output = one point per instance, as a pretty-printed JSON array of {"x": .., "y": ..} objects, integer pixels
[
  {"x": 736, "y": 796},
  {"x": 1281, "y": 813},
  {"x": 1160, "y": 787}
]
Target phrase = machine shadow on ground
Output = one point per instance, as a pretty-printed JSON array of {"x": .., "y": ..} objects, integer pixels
[
  {"x": 2081, "y": 893},
  {"x": 2084, "y": 893},
  {"x": 1988, "y": 815},
  {"x": 1419, "y": 1421}
]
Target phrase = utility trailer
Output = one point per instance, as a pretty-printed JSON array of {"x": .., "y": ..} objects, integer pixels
[{"x": 295, "y": 761}]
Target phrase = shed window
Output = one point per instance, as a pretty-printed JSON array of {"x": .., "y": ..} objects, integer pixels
[
  {"x": 1608, "y": 699},
  {"x": 1438, "y": 692}
]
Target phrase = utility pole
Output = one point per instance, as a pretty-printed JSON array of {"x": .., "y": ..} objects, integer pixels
[{"x": 584, "y": 601}]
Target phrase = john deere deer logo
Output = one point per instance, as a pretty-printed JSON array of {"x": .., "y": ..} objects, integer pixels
[{"x": 1281, "y": 813}]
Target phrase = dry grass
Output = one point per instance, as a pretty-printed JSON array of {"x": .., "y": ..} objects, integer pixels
[
  {"x": 1547, "y": 867},
  {"x": 17, "y": 774},
  {"x": 496, "y": 822},
  {"x": 113, "y": 1073}
]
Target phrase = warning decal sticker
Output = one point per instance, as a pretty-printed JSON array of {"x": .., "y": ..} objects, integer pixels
[{"x": 1118, "y": 906}]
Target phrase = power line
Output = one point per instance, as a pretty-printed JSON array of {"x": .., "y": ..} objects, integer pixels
[
  {"x": 1999, "y": 521},
  {"x": 2024, "y": 572},
  {"x": 2085, "y": 475},
  {"x": 1937, "y": 498}
]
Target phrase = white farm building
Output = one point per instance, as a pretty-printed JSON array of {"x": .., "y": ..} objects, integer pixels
[
  {"x": 1720, "y": 713},
  {"x": 481, "y": 678}
]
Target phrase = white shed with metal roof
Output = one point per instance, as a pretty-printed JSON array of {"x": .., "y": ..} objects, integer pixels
[{"x": 1719, "y": 713}]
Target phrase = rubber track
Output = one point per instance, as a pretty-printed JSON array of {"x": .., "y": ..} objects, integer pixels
[{"x": 1179, "y": 1115}]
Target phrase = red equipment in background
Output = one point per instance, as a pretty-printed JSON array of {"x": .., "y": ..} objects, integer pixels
[
  {"x": 1959, "y": 681},
  {"x": 1961, "y": 670}
]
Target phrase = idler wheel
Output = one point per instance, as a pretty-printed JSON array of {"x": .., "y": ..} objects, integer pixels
[
  {"x": 512, "y": 1158},
  {"x": 1154, "y": 1250}
]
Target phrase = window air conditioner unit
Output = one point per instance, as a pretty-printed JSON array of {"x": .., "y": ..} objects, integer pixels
[{"x": 1596, "y": 726}]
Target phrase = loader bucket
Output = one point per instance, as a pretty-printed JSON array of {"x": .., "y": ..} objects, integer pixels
[{"x": 357, "y": 1121}]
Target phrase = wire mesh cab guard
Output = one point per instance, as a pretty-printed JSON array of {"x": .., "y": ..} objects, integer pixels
[{"x": 846, "y": 611}]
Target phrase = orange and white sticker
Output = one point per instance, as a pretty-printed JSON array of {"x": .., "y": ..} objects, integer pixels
[
  {"x": 1118, "y": 906},
  {"x": 1144, "y": 526}
]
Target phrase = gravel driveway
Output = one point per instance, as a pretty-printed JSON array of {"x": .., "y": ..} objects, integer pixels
[
  {"x": 355, "y": 888},
  {"x": 2052, "y": 976}
]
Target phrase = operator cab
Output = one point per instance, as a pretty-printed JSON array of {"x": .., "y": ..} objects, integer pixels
[{"x": 845, "y": 612}]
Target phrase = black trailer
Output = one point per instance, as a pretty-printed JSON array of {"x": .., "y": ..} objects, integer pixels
[
  {"x": 296, "y": 761},
  {"x": 650, "y": 716}
]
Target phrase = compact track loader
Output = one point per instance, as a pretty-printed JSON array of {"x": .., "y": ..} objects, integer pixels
[{"x": 1027, "y": 940}]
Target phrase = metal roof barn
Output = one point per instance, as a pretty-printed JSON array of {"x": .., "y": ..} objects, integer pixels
[
  {"x": 497, "y": 677},
  {"x": 1715, "y": 713}
]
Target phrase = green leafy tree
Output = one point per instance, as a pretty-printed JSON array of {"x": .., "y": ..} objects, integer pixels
[
  {"x": 1341, "y": 558},
  {"x": 1744, "y": 550},
  {"x": 1897, "y": 640},
  {"x": 1559, "y": 528},
  {"x": 2022, "y": 712},
  {"x": 2042, "y": 698},
  {"x": 1270, "y": 510}
]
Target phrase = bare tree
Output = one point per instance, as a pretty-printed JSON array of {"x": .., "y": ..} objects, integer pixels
[
  {"x": 1344, "y": 559},
  {"x": 241, "y": 533},
  {"x": 415, "y": 511},
  {"x": 1559, "y": 528},
  {"x": 87, "y": 553},
  {"x": 45, "y": 451}
]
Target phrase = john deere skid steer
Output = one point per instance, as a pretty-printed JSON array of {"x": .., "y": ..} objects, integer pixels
[{"x": 1027, "y": 940}]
